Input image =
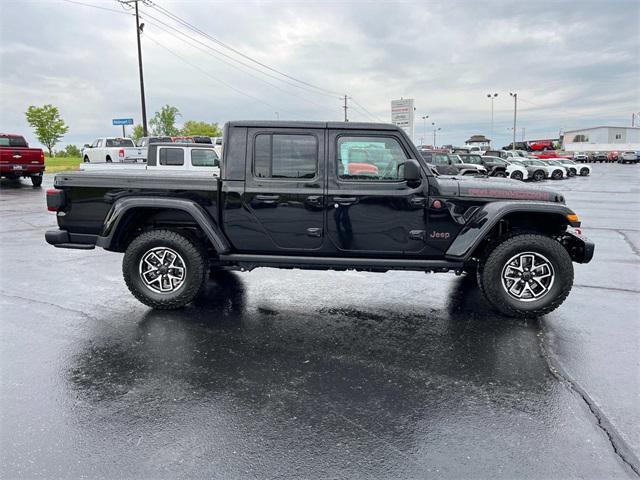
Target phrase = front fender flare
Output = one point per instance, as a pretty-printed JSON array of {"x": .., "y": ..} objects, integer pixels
[
  {"x": 122, "y": 206},
  {"x": 481, "y": 223}
]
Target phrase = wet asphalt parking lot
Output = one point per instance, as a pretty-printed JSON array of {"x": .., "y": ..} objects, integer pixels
[{"x": 300, "y": 374}]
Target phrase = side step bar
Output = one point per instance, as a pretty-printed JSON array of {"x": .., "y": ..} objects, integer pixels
[{"x": 249, "y": 262}]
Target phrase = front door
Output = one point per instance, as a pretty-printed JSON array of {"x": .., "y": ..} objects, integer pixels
[
  {"x": 370, "y": 207},
  {"x": 284, "y": 189}
]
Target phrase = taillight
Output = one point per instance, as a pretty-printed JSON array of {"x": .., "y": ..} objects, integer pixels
[
  {"x": 41, "y": 156},
  {"x": 121, "y": 152},
  {"x": 56, "y": 199}
]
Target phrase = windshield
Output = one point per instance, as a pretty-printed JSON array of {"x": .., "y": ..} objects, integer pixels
[
  {"x": 119, "y": 142},
  {"x": 553, "y": 162},
  {"x": 570, "y": 162},
  {"x": 536, "y": 162},
  {"x": 518, "y": 162},
  {"x": 455, "y": 159}
]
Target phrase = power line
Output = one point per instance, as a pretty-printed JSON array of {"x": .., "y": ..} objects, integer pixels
[
  {"x": 237, "y": 52},
  {"x": 209, "y": 47},
  {"x": 366, "y": 111},
  {"x": 235, "y": 66},
  {"x": 204, "y": 72},
  {"x": 97, "y": 6}
]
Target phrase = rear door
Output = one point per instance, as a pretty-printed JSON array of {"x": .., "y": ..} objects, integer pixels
[
  {"x": 371, "y": 208},
  {"x": 284, "y": 188}
]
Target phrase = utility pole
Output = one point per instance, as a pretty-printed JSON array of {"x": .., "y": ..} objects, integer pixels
[
  {"x": 434, "y": 133},
  {"x": 139, "y": 28},
  {"x": 492, "y": 98},
  {"x": 346, "y": 118},
  {"x": 424, "y": 128},
  {"x": 515, "y": 113}
]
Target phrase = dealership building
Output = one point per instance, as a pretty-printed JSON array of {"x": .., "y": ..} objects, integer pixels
[{"x": 601, "y": 139}]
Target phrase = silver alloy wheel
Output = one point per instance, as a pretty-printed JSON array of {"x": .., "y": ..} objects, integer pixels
[
  {"x": 162, "y": 270},
  {"x": 528, "y": 276}
]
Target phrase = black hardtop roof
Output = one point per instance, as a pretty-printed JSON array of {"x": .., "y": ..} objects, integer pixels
[{"x": 316, "y": 124}]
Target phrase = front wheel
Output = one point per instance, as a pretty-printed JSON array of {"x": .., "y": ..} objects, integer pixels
[
  {"x": 538, "y": 175},
  {"x": 36, "y": 180},
  {"x": 527, "y": 275},
  {"x": 557, "y": 175},
  {"x": 584, "y": 171},
  {"x": 164, "y": 269},
  {"x": 500, "y": 174}
]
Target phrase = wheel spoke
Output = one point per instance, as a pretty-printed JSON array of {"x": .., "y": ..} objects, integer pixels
[
  {"x": 162, "y": 270},
  {"x": 528, "y": 276}
]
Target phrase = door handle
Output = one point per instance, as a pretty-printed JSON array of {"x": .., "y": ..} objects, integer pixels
[
  {"x": 418, "y": 202},
  {"x": 344, "y": 201},
  {"x": 267, "y": 198},
  {"x": 315, "y": 200}
]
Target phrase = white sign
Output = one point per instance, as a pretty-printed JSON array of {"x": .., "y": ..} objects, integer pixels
[{"x": 403, "y": 115}]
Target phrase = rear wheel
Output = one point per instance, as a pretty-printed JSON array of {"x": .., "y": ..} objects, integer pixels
[
  {"x": 36, "y": 180},
  {"x": 165, "y": 269},
  {"x": 500, "y": 174},
  {"x": 86, "y": 159},
  {"x": 557, "y": 174},
  {"x": 527, "y": 275},
  {"x": 108, "y": 159}
]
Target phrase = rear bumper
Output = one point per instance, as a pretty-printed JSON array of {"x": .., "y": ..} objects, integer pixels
[
  {"x": 64, "y": 239},
  {"x": 21, "y": 170}
]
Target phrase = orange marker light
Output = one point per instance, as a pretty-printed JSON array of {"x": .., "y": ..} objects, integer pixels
[{"x": 573, "y": 218}]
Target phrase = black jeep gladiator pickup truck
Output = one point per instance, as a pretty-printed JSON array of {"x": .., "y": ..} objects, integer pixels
[{"x": 321, "y": 195}]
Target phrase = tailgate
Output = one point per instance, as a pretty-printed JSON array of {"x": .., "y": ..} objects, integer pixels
[{"x": 21, "y": 158}]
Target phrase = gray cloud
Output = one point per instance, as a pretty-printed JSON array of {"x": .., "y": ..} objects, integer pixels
[{"x": 572, "y": 63}]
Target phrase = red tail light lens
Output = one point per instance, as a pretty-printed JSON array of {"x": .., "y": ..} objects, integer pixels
[
  {"x": 121, "y": 152},
  {"x": 56, "y": 199},
  {"x": 42, "y": 156}
]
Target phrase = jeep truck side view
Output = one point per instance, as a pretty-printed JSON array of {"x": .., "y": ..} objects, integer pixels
[{"x": 322, "y": 195}]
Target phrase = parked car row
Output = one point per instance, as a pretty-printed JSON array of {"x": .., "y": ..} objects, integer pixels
[{"x": 515, "y": 164}]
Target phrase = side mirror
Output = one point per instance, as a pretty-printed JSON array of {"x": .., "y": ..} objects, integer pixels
[
  {"x": 216, "y": 163},
  {"x": 412, "y": 171},
  {"x": 86, "y": 145}
]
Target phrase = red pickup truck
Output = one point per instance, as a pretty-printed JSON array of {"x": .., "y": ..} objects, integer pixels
[{"x": 18, "y": 160}]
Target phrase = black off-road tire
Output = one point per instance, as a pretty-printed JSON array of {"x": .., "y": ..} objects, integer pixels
[
  {"x": 195, "y": 259},
  {"x": 489, "y": 275},
  {"x": 36, "y": 180}
]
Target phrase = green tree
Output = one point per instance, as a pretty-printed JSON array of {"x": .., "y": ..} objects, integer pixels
[
  {"x": 193, "y": 127},
  {"x": 137, "y": 133},
  {"x": 164, "y": 121},
  {"x": 69, "y": 151},
  {"x": 47, "y": 124}
]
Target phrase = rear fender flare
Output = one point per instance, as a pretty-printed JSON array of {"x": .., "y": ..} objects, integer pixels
[
  {"x": 125, "y": 205},
  {"x": 481, "y": 223}
]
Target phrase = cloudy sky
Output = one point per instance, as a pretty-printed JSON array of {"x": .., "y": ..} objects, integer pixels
[{"x": 572, "y": 63}]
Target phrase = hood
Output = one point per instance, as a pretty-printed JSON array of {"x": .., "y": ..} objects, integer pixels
[{"x": 497, "y": 188}]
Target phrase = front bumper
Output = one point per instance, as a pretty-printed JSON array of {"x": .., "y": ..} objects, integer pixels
[{"x": 579, "y": 247}]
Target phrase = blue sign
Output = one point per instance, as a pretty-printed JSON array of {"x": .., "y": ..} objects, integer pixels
[{"x": 122, "y": 121}]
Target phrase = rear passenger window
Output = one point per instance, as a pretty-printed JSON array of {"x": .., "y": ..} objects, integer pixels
[
  {"x": 171, "y": 156},
  {"x": 201, "y": 157},
  {"x": 285, "y": 156}
]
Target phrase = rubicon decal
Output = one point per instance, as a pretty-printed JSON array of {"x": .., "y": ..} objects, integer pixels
[{"x": 512, "y": 194}]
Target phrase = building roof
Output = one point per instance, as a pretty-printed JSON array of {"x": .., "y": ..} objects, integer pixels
[
  {"x": 601, "y": 126},
  {"x": 478, "y": 139}
]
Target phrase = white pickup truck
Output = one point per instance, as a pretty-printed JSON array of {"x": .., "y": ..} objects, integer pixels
[
  {"x": 112, "y": 150},
  {"x": 174, "y": 157}
]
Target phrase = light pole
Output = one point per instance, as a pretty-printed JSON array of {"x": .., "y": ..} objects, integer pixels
[
  {"x": 492, "y": 98},
  {"x": 277, "y": 116},
  {"x": 424, "y": 128},
  {"x": 515, "y": 114},
  {"x": 523, "y": 134},
  {"x": 434, "y": 133}
]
